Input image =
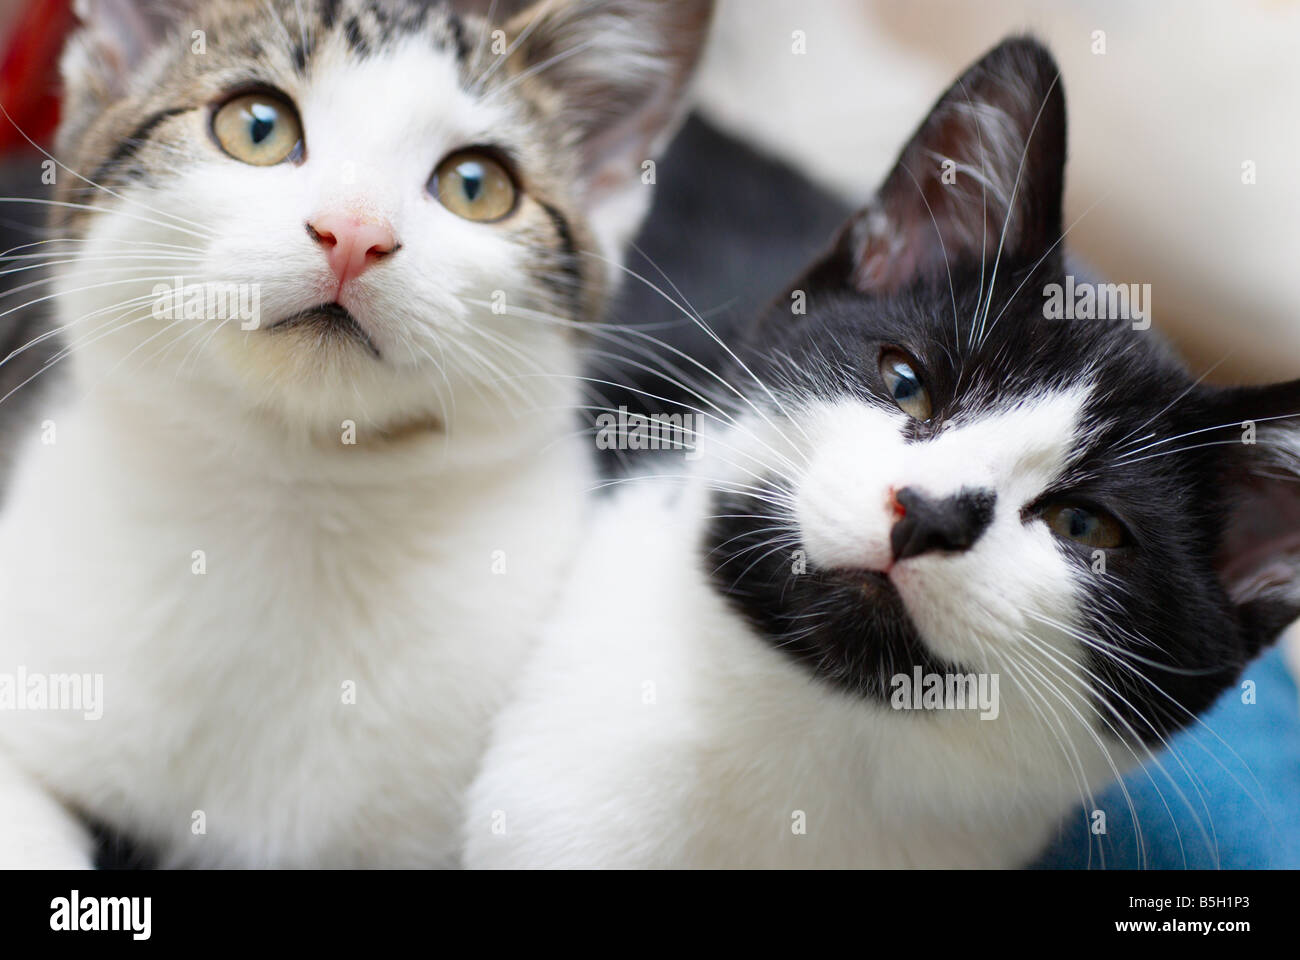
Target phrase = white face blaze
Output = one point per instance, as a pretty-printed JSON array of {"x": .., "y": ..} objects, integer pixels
[{"x": 962, "y": 603}]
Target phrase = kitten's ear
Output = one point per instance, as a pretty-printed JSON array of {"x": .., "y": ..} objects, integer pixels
[
  {"x": 1259, "y": 553},
  {"x": 986, "y": 167},
  {"x": 114, "y": 37},
  {"x": 619, "y": 70}
]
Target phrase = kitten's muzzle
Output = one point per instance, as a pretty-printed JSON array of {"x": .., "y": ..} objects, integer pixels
[{"x": 950, "y": 525}]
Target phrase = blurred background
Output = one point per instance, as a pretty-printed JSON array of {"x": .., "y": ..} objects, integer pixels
[
  {"x": 1161, "y": 123},
  {"x": 1184, "y": 162}
]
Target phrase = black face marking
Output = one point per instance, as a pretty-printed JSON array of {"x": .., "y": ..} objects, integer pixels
[
  {"x": 131, "y": 145},
  {"x": 1161, "y": 637},
  {"x": 863, "y": 636}
]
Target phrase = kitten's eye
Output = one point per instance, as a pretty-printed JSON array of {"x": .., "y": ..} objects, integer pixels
[
  {"x": 473, "y": 185},
  {"x": 258, "y": 128},
  {"x": 1092, "y": 528},
  {"x": 904, "y": 384}
]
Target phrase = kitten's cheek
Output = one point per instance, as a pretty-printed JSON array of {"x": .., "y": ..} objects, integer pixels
[
  {"x": 834, "y": 543},
  {"x": 844, "y": 515}
]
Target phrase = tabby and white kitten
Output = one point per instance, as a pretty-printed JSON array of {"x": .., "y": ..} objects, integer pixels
[
  {"x": 923, "y": 474},
  {"x": 302, "y": 553}
]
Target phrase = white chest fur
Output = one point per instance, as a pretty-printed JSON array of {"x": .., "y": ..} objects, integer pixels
[
  {"x": 299, "y": 649},
  {"x": 654, "y": 729}
]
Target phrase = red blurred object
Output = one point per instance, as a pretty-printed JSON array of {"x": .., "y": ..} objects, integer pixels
[{"x": 29, "y": 72}]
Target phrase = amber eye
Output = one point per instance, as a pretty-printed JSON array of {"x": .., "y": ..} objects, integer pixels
[
  {"x": 258, "y": 128},
  {"x": 903, "y": 382},
  {"x": 473, "y": 185},
  {"x": 1085, "y": 525}
]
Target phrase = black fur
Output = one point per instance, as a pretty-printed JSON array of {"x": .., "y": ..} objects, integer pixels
[
  {"x": 329, "y": 11},
  {"x": 715, "y": 243},
  {"x": 357, "y": 42}
]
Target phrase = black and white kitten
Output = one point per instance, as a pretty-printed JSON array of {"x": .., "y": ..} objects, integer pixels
[{"x": 943, "y": 568}]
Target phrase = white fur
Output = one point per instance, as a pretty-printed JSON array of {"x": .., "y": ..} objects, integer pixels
[
  {"x": 413, "y": 571},
  {"x": 655, "y": 729}
]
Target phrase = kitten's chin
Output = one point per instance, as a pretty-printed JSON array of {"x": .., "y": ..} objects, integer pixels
[
  {"x": 313, "y": 378},
  {"x": 324, "y": 383}
]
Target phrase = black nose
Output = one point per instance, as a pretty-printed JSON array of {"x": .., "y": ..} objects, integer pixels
[{"x": 951, "y": 524}]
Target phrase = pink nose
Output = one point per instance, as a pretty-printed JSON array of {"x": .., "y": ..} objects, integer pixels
[{"x": 351, "y": 244}]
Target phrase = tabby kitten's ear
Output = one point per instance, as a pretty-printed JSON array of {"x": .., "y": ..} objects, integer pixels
[
  {"x": 619, "y": 69},
  {"x": 115, "y": 36},
  {"x": 985, "y": 168},
  {"x": 1257, "y": 430}
]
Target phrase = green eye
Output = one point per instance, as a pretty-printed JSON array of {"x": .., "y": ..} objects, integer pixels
[
  {"x": 899, "y": 372},
  {"x": 473, "y": 185},
  {"x": 1092, "y": 528},
  {"x": 258, "y": 128}
]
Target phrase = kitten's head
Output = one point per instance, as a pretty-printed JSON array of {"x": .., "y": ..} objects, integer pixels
[
  {"x": 975, "y": 487},
  {"x": 415, "y": 199}
]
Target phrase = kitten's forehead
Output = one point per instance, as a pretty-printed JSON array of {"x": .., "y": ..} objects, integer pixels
[
  {"x": 369, "y": 108},
  {"x": 381, "y": 85},
  {"x": 369, "y": 27},
  {"x": 986, "y": 357},
  {"x": 290, "y": 44},
  {"x": 1004, "y": 372},
  {"x": 302, "y": 42},
  {"x": 1035, "y": 436}
]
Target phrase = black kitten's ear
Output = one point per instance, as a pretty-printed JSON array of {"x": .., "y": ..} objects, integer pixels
[
  {"x": 986, "y": 167},
  {"x": 1259, "y": 553}
]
